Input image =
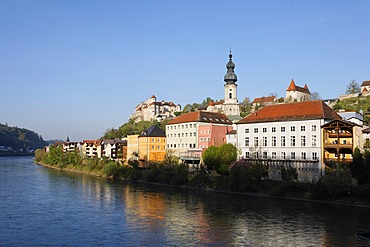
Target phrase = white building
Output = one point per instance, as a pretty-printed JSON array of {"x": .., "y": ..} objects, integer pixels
[
  {"x": 151, "y": 110},
  {"x": 196, "y": 130},
  {"x": 295, "y": 93},
  {"x": 287, "y": 135}
]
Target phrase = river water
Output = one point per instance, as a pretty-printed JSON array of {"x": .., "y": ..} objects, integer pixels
[{"x": 45, "y": 207}]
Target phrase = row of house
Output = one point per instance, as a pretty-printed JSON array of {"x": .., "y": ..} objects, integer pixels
[{"x": 294, "y": 132}]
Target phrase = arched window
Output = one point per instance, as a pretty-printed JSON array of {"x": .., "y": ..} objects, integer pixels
[{"x": 230, "y": 95}]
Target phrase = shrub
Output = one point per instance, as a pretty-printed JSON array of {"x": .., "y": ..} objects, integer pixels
[{"x": 111, "y": 169}]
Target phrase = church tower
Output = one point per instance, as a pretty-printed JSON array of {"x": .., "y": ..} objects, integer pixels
[{"x": 230, "y": 106}]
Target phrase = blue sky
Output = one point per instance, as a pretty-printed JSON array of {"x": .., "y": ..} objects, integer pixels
[{"x": 78, "y": 68}]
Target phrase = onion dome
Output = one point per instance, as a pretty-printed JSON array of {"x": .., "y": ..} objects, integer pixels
[{"x": 230, "y": 77}]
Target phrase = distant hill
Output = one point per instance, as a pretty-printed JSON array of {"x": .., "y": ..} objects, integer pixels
[{"x": 14, "y": 140}]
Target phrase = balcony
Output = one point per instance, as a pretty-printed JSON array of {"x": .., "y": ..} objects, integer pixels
[
  {"x": 336, "y": 160},
  {"x": 337, "y": 146},
  {"x": 341, "y": 135}
]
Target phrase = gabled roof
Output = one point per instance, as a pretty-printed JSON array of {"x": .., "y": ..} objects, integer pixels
[
  {"x": 262, "y": 100},
  {"x": 341, "y": 122},
  {"x": 364, "y": 90},
  {"x": 365, "y": 83},
  {"x": 153, "y": 131},
  {"x": 290, "y": 112},
  {"x": 201, "y": 116},
  {"x": 293, "y": 87}
]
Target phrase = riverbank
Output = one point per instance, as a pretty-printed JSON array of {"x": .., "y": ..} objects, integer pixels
[{"x": 145, "y": 176}]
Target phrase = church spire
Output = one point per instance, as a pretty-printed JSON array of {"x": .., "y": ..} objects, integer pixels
[{"x": 230, "y": 77}]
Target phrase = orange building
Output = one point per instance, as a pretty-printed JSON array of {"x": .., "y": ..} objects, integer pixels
[{"x": 152, "y": 143}]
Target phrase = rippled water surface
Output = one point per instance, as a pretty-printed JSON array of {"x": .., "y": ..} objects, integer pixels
[{"x": 41, "y": 206}]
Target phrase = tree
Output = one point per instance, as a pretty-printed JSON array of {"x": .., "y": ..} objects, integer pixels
[
  {"x": 211, "y": 158},
  {"x": 228, "y": 155},
  {"x": 353, "y": 87},
  {"x": 246, "y": 106},
  {"x": 315, "y": 96}
]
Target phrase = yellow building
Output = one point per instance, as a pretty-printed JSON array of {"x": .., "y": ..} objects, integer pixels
[
  {"x": 152, "y": 143},
  {"x": 132, "y": 147},
  {"x": 340, "y": 138}
]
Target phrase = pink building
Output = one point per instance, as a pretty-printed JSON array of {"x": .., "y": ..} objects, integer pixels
[{"x": 212, "y": 135}]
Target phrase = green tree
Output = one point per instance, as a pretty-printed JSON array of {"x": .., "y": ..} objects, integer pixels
[
  {"x": 211, "y": 158},
  {"x": 228, "y": 155}
]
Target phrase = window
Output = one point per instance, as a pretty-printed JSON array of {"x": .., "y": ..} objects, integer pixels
[
  {"x": 344, "y": 141},
  {"x": 273, "y": 141},
  {"x": 264, "y": 130},
  {"x": 283, "y": 141},
  {"x": 195, "y": 134},
  {"x": 292, "y": 141},
  {"x": 273, "y": 129},
  {"x": 186, "y": 134},
  {"x": 246, "y": 131},
  {"x": 264, "y": 155},
  {"x": 201, "y": 131},
  {"x": 256, "y": 155},
  {"x": 182, "y": 126},
  {"x": 247, "y": 154},
  {"x": 159, "y": 147},
  {"x": 190, "y": 134},
  {"x": 303, "y": 141},
  {"x": 186, "y": 126},
  {"x": 230, "y": 95},
  {"x": 283, "y": 155},
  {"x": 256, "y": 141},
  {"x": 264, "y": 142},
  {"x": 282, "y": 129},
  {"x": 201, "y": 139},
  {"x": 313, "y": 127},
  {"x": 303, "y": 156},
  {"x": 153, "y": 140},
  {"x": 255, "y": 130},
  {"x": 292, "y": 155},
  {"x": 153, "y": 147},
  {"x": 178, "y": 134},
  {"x": 314, "y": 156},
  {"x": 247, "y": 141},
  {"x": 292, "y": 128},
  {"x": 174, "y": 145},
  {"x": 182, "y": 134},
  {"x": 273, "y": 155},
  {"x": 314, "y": 140},
  {"x": 303, "y": 128}
]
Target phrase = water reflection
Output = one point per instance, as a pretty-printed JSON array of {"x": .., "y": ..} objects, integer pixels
[{"x": 45, "y": 206}]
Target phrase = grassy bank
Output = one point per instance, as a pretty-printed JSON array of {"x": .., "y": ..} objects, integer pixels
[{"x": 337, "y": 186}]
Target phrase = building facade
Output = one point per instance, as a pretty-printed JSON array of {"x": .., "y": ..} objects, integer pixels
[
  {"x": 152, "y": 146},
  {"x": 151, "y": 110},
  {"x": 132, "y": 147},
  {"x": 295, "y": 93},
  {"x": 287, "y": 135},
  {"x": 193, "y": 132}
]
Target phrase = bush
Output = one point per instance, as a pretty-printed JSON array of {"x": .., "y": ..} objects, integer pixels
[{"x": 111, "y": 169}]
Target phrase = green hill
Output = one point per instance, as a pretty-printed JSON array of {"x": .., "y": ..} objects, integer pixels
[
  {"x": 14, "y": 140},
  {"x": 360, "y": 103}
]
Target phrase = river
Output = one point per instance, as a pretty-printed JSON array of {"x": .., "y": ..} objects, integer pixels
[{"x": 45, "y": 207}]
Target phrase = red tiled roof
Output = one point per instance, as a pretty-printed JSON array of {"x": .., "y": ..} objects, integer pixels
[
  {"x": 293, "y": 111},
  {"x": 365, "y": 83},
  {"x": 364, "y": 90},
  {"x": 263, "y": 100},
  {"x": 293, "y": 87},
  {"x": 201, "y": 116}
]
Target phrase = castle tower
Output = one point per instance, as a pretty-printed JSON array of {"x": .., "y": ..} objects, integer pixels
[{"x": 230, "y": 106}]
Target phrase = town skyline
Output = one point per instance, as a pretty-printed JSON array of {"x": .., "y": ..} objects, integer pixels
[{"x": 72, "y": 69}]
